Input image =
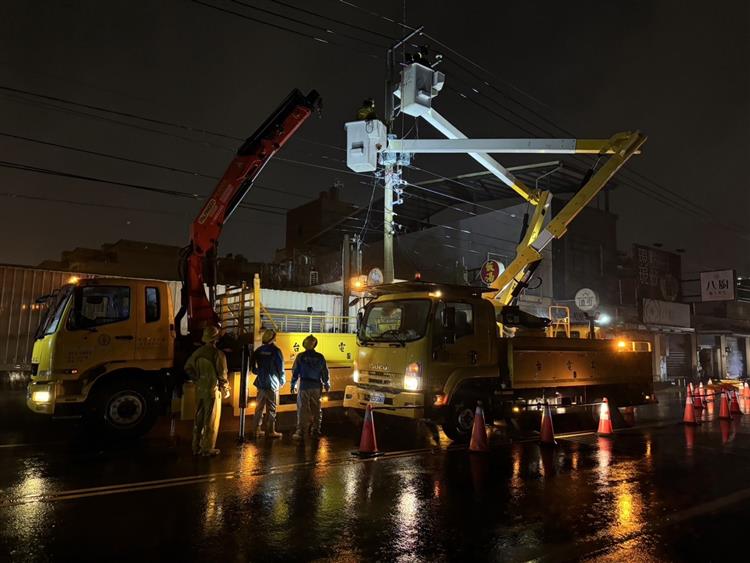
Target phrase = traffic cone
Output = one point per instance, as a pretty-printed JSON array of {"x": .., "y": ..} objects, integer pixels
[
  {"x": 689, "y": 416},
  {"x": 698, "y": 397},
  {"x": 479, "y": 432},
  {"x": 734, "y": 407},
  {"x": 547, "y": 433},
  {"x": 368, "y": 444},
  {"x": 605, "y": 422},
  {"x": 724, "y": 413},
  {"x": 746, "y": 391},
  {"x": 710, "y": 401}
]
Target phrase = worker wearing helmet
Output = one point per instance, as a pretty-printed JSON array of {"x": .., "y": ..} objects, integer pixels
[
  {"x": 207, "y": 366},
  {"x": 311, "y": 371},
  {"x": 268, "y": 367}
]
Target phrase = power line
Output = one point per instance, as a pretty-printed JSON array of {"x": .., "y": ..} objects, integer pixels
[
  {"x": 308, "y": 24},
  {"x": 142, "y": 162},
  {"x": 340, "y": 22},
  {"x": 283, "y": 28},
  {"x": 127, "y": 185}
]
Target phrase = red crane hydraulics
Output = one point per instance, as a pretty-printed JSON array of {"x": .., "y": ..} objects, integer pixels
[{"x": 198, "y": 263}]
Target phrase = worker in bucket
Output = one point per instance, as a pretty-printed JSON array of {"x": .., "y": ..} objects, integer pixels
[
  {"x": 207, "y": 366},
  {"x": 268, "y": 367},
  {"x": 311, "y": 371}
]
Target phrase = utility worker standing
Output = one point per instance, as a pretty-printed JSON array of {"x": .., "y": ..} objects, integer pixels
[
  {"x": 268, "y": 367},
  {"x": 312, "y": 372},
  {"x": 207, "y": 366}
]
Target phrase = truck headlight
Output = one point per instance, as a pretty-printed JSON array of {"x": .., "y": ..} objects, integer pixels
[
  {"x": 412, "y": 377},
  {"x": 41, "y": 397}
]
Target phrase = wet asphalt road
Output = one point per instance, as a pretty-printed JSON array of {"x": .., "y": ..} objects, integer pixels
[{"x": 656, "y": 492}]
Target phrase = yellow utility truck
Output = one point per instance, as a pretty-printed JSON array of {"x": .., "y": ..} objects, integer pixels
[
  {"x": 105, "y": 351},
  {"x": 432, "y": 351}
]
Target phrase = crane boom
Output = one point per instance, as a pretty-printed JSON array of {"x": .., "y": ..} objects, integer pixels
[{"x": 198, "y": 260}]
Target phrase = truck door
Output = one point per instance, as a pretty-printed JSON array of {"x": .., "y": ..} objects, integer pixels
[
  {"x": 100, "y": 328},
  {"x": 154, "y": 322},
  {"x": 469, "y": 347}
]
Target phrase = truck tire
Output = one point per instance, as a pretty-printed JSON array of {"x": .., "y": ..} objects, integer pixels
[
  {"x": 459, "y": 420},
  {"x": 125, "y": 409}
]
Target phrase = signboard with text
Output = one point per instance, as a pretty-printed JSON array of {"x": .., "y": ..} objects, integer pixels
[
  {"x": 658, "y": 273},
  {"x": 666, "y": 313},
  {"x": 490, "y": 271},
  {"x": 718, "y": 285}
]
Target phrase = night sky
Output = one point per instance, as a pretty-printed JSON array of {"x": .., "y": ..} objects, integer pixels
[{"x": 676, "y": 70}]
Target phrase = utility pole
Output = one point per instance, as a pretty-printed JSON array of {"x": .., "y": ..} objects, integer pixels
[
  {"x": 388, "y": 268},
  {"x": 391, "y": 177}
]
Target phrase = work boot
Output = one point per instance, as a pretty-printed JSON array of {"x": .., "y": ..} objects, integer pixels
[
  {"x": 211, "y": 453},
  {"x": 271, "y": 433}
]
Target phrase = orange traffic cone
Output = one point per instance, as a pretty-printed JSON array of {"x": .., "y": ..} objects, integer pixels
[
  {"x": 605, "y": 422},
  {"x": 368, "y": 444},
  {"x": 746, "y": 391},
  {"x": 698, "y": 397},
  {"x": 689, "y": 416},
  {"x": 734, "y": 407},
  {"x": 547, "y": 433},
  {"x": 710, "y": 400},
  {"x": 724, "y": 413},
  {"x": 479, "y": 432}
]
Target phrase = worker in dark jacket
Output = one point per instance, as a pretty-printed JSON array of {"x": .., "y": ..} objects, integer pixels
[
  {"x": 268, "y": 367},
  {"x": 311, "y": 371}
]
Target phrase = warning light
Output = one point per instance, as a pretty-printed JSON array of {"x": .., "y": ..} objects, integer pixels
[
  {"x": 325, "y": 398},
  {"x": 74, "y": 279},
  {"x": 417, "y": 276},
  {"x": 621, "y": 345},
  {"x": 516, "y": 409},
  {"x": 253, "y": 404}
]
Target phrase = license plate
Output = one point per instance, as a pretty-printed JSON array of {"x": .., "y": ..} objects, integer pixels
[{"x": 378, "y": 398}]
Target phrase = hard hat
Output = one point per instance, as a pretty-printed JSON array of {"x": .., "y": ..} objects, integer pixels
[
  {"x": 268, "y": 335},
  {"x": 210, "y": 334},
  {"x": 310, "y": 342}
]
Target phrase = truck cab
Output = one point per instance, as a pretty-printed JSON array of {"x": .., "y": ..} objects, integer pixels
[
  {"x": 420, "y": 344},
  {"x": 105, "y": 349}
]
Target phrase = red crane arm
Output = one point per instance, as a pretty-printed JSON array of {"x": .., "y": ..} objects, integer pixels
[{"x": 198, "y": 261}]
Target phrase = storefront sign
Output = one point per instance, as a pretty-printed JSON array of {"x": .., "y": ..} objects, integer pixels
[
  {"x": 490, "y": 271},
  {"x": 666, "y": 313},
  {"x": 718, "y": 285},
  {"x": 658, "y": 273}
]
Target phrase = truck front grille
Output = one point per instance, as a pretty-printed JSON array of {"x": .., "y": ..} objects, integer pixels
[{"x": 381, "y": 378}]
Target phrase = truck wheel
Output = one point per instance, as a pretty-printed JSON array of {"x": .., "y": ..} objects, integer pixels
[
  {"x": 459, "y": 419},
  {"x": 125, "y": 409}
]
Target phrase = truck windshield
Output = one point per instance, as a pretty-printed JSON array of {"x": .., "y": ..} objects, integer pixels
[
  {"x": 55, "y": 307},
  {"x": 395, "y": 321}
]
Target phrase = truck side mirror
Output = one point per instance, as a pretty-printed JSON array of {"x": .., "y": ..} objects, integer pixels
[{"x": 360, "y": 319}]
